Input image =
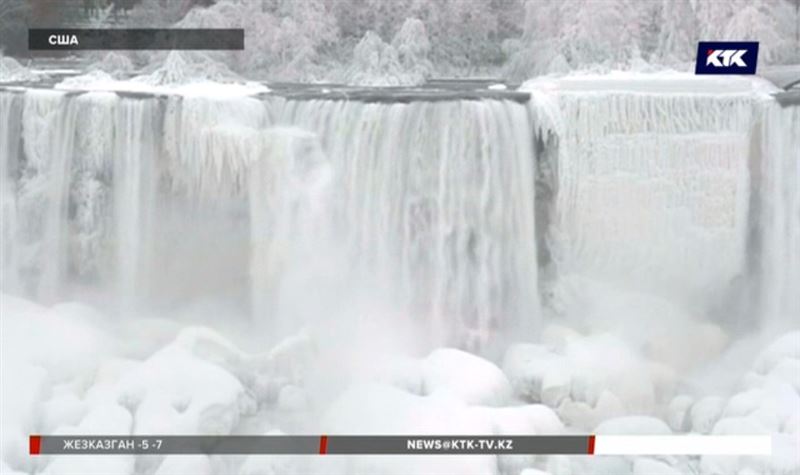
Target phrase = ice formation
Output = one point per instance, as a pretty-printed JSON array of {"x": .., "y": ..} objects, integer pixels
[
  {"x": 656, "y": 216},
  {"x": 12, "y": 71}
]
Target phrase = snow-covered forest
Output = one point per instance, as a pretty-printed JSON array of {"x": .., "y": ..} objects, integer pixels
[{"x": 381, "y": 42}]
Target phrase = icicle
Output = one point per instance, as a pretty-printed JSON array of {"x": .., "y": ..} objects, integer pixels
[
  {"x": 653, "y": 190},
  {"x": 202, "y": 140},
  {"x": 49, "y": 121},
  {"x": 137, "y": 127},
  {"x": 780, "y": 220},
  {"x": 435, "y": 202},
  {"x": 10, "y": 139}
]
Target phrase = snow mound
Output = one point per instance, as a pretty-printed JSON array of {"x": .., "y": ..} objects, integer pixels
[
  {"x": 12, "y": 71},
  {"x": 705, "y": 413},
  {"x": 115, "y": 64},
  {"x": 189, "y": 74},
  {"x": 178, "y": 464},
  {"x": 786, "y": 346},
  {"x": 649, "y": 466},
  {"x": 380, "y": 409},
  {"x": 177, "y": 391},
  {"x": 633, "y": 425},
  {"x": 467, "y": 377},
  {"x": 183, "y": 67}
]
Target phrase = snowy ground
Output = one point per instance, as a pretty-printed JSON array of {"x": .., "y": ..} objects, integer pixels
[{"x": 69, "y": 370}]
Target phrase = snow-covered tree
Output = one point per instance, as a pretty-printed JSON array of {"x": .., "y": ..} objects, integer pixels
[
  {"x": 413, "y": 49},
  {"x": 765, "y": 21},
  {"x": 309, "y": 40},
  {"x": 679, "y": 32},
  {"x": 374, "y": 63},
  {"x": 540, "y": 43},
  {"x": 601, "y": 32}
]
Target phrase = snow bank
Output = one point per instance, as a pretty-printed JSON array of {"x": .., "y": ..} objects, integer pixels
[
  {"x": 589, "y": 379},
  {"x": 117, "y": 65},
  {"x": 12, "y": 71},
  {"x": 466, "y": 377},
  {"x": 380, "y": 409},
  {"x": 182, "y": 74},
  {"x": 69, "y": 377}
]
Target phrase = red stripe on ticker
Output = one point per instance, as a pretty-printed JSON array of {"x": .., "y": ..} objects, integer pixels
[{"x": 323, "y": 444}]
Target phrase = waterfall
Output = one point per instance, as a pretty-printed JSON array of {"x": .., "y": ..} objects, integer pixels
[
  {"x": 291, "y": 224},
  {"x": 652, "y": 189},
  {"x": 429, "y": 204},
  {"x": 136, "y": 148},
  {"x": 48, "y": 131},
  {"x": 780, "y": 229},
  {"x": 306, "y": 207},
  {"x": 435, "y": 200},
  {"x": 10, "y": 122}
]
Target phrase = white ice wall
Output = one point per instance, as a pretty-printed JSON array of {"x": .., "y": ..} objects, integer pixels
[
  {"x": 780, "y": 232},
  {"x": 652, "y": 182}
]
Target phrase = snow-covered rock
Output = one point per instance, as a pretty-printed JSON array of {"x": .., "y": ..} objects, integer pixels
[
  {"x": 104, "y": 418},
  {"x": 785, "y": 346},
  {"x": 176, "y": 391},
  {"x": 116, "y": 64},
  {"x": 678, "y": 411},
  {"x": 526, "y": 366},
  {"x": 633, "y": 425},
  {"x": 559, "y": 465},
  {"x": 705, "y": 413},
  {"x": 533, "y": 471},
  {"x": 608, "y": 406},
  {"x": 12, "y": 71},
  {"x": 185, "y": 464},
  {"x": 63, "y": 407},
  {"x": 91, "y": 465},
  {"x": 787, "y": 371},
  {"x": 649, "y": 466},
  {"x": 465, "y": 376},
  {"x": 577, "y": 414},
  {"x": 381, "y": 409},
  {"x": 606, "y": 362}
]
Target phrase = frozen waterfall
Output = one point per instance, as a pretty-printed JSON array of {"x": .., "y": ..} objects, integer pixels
[
  {"x": 428, "y": 205},
  {"x": 300, "y": 207}
]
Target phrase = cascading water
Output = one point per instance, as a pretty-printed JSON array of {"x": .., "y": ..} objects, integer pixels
[
  {"x": 135, "y": 173},
  {"x": 10, "y": 123},
  {"x": 654, "y": 188},
  {"x": 780, "y": 230},
  {"x": 48, "y": 133},
  {"x": 435, "y": 201},
  {"x": 428, "y": 205}
]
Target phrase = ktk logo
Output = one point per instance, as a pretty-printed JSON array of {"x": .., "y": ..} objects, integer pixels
[{"x": 726, "y": 57}]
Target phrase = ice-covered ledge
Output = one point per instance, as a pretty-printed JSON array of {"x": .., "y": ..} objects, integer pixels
[{"x": 670, "y": 82}]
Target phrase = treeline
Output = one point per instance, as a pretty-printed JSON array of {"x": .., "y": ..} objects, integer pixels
[{"x": 401, "y": 41}]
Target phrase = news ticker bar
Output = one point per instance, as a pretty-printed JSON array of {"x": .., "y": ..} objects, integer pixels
[
  {"x": 55, "y": 39},
  {"x": 409, "y": 445}
]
